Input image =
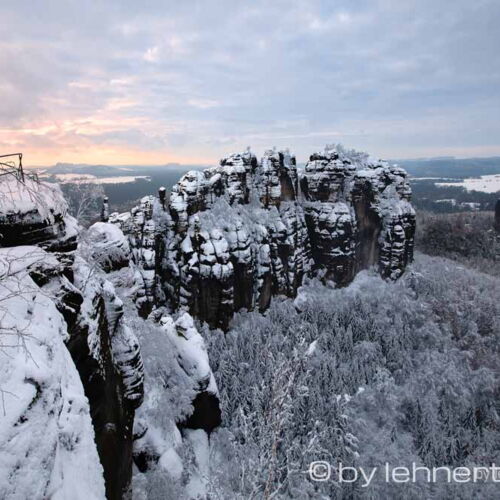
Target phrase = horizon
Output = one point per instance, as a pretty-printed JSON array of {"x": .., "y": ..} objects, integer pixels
[
  {"x": 123, "y": 83},
  {"x": 207, "y": 164}
]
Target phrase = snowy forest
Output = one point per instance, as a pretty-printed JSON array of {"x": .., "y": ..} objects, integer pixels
[{"x": 378, "y": 372}]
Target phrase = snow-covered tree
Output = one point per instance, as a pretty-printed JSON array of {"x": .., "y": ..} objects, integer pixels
[{"x": 85, "y": 200}]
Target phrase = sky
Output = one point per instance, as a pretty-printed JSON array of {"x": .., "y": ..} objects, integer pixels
[{"x": 153, "y": 82}]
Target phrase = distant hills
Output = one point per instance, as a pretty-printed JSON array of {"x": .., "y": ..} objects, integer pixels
[
  {"x": 108, "y": 170},
  {"x": 441, "y": 166}
]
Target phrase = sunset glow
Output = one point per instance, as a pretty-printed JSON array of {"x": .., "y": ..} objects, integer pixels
[{"x": 120, "y": 82}]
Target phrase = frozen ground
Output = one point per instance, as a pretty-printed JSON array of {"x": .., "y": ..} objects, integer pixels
[{"x": 485, "y": 184}]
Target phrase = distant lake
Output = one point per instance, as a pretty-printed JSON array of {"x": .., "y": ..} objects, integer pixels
[{"x": 93, "y": 179}]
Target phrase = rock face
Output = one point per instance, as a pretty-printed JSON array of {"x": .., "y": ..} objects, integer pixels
[
  {"x": 233, "y": 236},
  {"x": 181, "y": 395},
  {"x": 237, "y": 235},
  {"x": 47, "y": 447},
  {"x": 358, "y": 214},
  {"x": 193, "y": 359},
  {"x": 108, "y": 246},
  {"x": 103, "y": 352},
  {"x": 141, "y": 230},
  {"x": 107, "y": 356}
]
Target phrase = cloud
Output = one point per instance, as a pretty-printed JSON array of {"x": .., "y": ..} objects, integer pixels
[
  {"x": 152, "y": 54},
  {"x": 171, "y": 80},
  {"x": 203, "y": 103}
]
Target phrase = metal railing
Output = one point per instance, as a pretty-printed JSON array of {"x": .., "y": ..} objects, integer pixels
[{"x": 13, "y": 166}]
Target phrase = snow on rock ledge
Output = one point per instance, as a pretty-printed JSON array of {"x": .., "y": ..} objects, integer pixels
[
  {"x": 193, "y": 359},
  {"x": 33, "y": 212}
]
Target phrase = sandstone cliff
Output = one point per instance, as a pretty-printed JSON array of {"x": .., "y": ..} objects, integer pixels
[
  {"x": 232, "y": 236},
  {"x": 69, "y": 303}
]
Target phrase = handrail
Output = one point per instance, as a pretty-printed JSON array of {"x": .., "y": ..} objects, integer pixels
[
  {"x": 12, "y": 154},
  {"x": 7, "y": 167}
]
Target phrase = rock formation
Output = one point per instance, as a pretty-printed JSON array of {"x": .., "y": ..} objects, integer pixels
[
  {"x": 358, "y": 214},
  {"x": 105, "y": 209},
  {"x": 141, "y": 229},
  {"x": 175, "y": 352},
  {"x": 179, "y": 383},
  {"x": 236, "y": 236},
  {"x": 232, "y": 236},
  {"x": 107, "y": 356},
  {"x": 84, "y": 312}
]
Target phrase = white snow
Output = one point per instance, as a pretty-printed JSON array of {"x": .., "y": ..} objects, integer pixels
[
  {"x": 83, "y": 274},
  {"x": 197, "y": 485},
  {"x": 485, "y": 184},
  {"x": 190, "y": 346},
  {"x": 108, "y": 233},
  {"x": 15, "y": 260},
  {"x": 106, "y": 244},
  {"x": 63, "y": 178},
  {"x": 17, "y": 197},
  {"x": 312, "y": 348},
  {"x": 172, "y": 463}
]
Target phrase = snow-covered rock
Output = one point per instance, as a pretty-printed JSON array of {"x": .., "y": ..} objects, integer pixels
[
  {"x": 140, "y": 228},
  {"x": 233, "y": 236},
  {"x": 107, "y": 355},
  {"x": 108, "y": 246},
  {"x": 33, "y": 212},
  {"x": 65, "y": 321},
  {"x": 47, "y": 447},
  {"x": 180, "y": 395},
  {"x": 358, "y": 214},
  {"x": 180, "y": 392},
  {"x": 192, "y": 357},
  {"x": 237, "y": 235}
]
